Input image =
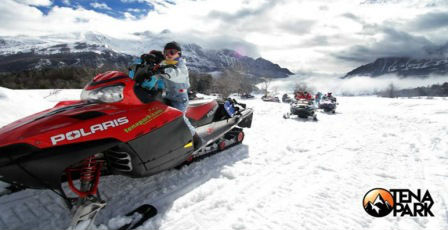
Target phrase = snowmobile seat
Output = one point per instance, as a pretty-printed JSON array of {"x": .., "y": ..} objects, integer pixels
[{"x": 202, "y": 113}]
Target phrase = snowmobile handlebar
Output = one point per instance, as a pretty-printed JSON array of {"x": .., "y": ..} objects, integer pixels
[
  {"x": 151, "y": 59},
  {"x": 149, "y": 70}
]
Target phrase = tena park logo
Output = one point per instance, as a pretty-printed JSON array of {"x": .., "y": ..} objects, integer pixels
[{"x": 380, "y": 202}]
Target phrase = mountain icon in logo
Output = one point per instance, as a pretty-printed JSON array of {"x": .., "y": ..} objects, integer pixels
[{"x": 378, "y": 202}]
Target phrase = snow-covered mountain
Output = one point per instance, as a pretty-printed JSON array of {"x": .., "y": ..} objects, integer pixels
[
  {"x": 95, "y": 50},
  {"x": 434, "y": 61},
  {"x": 402, "y": 66}
]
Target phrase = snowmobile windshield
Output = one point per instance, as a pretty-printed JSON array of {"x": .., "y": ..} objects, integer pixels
[{"x": 107, "y": 94}]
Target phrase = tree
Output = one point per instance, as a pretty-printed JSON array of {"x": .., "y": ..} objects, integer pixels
[
  {"x": 390, "y": 91},
  {"x": 303, "y": 87},
  {"x": 201, "y": 83},
  {"x": 265, "y": 85}
]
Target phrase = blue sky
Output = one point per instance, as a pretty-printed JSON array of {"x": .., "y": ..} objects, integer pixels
[{"x": 113, "y": 8}]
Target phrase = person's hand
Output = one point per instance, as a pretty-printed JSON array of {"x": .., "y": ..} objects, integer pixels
[
  {"x": 149, "y": 83},
  {"x": 166, "y": 69},
  {"x": 162, "y": 68}
]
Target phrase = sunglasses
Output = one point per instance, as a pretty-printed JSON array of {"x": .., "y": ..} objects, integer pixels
[{"x": 171, "y": 52}]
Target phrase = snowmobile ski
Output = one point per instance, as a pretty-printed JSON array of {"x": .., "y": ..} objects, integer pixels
[{"x": 139, "y": 216}]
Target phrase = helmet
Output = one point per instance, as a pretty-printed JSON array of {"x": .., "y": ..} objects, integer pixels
[{"x": 172, "y": 45}]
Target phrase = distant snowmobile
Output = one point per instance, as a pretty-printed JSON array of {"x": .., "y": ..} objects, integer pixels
[
  {"x": 287, "y": 99},
  {"x": 269, "y": 98},
  {"x": 192, "y": 95},
  {"x": 117, "y": 128},
  {"x": 247, "y": 96},
  {"x": 302, "y": 109},
  {"x": 328, "y": 105}
]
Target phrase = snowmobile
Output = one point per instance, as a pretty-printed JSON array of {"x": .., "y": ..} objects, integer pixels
[
  {"x": 303, "y": 109},
  {"x": 117, "y": 128},
  {"x": 192, "y": 95},
  {"x": 328, "y": 105},
  {"x": 268, "y": 98},
  {"x": 247, "y": 96},
  {"x": 286, "y": 98}
]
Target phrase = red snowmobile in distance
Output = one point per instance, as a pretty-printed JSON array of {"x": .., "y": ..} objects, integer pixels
[{"x": 116, "y": 128}]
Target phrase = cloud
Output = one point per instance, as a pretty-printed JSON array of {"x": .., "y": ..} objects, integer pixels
[
  {"x": 299, "y": 27},
  {"x": 393, "y": 44},
  {"x": 242, "y": 13},
  {"x": 353, "y": 17},
  {"x": 135, "y": 10},
  {"x": 132, "y": 1},
  {"x": 430, "y": 21},
  {"x": 353, "y": 86},
  {"x": 35, "y": 2},
  {"x": 102, "y": 6}
]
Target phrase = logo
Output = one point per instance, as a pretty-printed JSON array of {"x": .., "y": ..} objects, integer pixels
[
  {"x": 154, "y": 113},
  {"x": 380, "y": 202},
  {"x": 75, "y": 134}
]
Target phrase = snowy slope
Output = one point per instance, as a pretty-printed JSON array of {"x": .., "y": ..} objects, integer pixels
[{"x": 288, "y": 174}]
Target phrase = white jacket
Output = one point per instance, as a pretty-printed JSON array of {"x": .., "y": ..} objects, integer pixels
[{"x": 177, "y": 81}]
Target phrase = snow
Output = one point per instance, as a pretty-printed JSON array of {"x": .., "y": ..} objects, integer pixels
[
  {"x": 96, "y": 42},
  {"x": 288, "y": 174}
]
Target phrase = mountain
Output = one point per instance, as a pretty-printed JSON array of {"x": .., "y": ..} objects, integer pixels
[
  {"x": 64, "y": 55},
  {"x": 403, "y": 67},
  {"x": 433, "y": 62},
  {"x": 436, "y": 90},
  {"x": 379, "y": 207},
  {"x": 91, "y": 49},
  {"x": 207, "y": 60}
]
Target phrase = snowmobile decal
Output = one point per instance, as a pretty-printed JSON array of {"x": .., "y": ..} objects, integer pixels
[
  {"x": 189, "y": 145},
  {"x": 145, "y": 120},
  {"x": 75, "y": 134}
]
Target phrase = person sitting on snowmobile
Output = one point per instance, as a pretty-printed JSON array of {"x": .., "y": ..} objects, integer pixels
[
  {"x": 308, "y": 96},
  {"x": 318, "y": 97},
  {"x": 174, "y": 74},
  {"x": 330, "y": 97},
  {"x": 304, "y": 96},
  {"x": 299, "y": 95}
]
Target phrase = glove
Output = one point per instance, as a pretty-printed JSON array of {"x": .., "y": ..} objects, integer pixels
[
  {"x": 154, "y": 83},
  {"x": 149, "y": 84}
]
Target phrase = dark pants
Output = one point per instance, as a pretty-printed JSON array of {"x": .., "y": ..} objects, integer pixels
[{"x": 182, "y": 106}]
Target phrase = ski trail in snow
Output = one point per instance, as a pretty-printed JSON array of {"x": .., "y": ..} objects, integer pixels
[{"x": 288, "y": 174}]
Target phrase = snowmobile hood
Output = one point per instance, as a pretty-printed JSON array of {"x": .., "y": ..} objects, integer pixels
[
  {"x": 48, "y": 120},
  {"x": 75, "y": 122}
]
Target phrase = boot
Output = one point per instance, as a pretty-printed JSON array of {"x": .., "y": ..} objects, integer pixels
[{"x": 197, "y": 141}]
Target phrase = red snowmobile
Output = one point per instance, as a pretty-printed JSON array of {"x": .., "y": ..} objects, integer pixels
[{"x": 116, "y": 128}]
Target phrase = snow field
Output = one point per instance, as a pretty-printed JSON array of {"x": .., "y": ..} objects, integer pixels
[{"x": 288, "y": 174}]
